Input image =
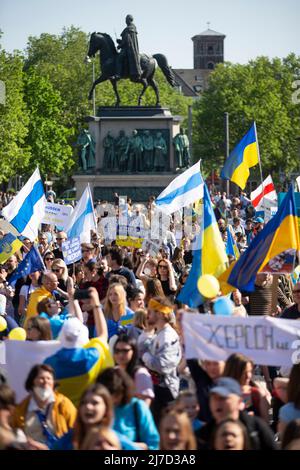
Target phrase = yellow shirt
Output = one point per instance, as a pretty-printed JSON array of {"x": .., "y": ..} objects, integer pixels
[{"x": 36, "y": 296}]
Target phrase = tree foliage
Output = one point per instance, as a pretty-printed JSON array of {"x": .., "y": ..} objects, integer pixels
[
  {"x": 14, "y": 119},
  {"x": 262, "y": 91},
  {"x": 47, "y": 135}
]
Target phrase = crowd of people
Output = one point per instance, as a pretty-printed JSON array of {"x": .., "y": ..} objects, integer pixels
[{"x": 120, "y": 380}]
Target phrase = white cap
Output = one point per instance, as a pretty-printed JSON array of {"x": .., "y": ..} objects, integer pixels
[{"x": 73, "y": 334}]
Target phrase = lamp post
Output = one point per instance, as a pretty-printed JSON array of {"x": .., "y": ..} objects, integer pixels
[
  {"x": 226, "y": 128},
  {"x": 94, "y": 91}
]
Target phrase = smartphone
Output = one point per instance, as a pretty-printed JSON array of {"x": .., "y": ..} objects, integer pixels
[{"x": 81, "y": 294}]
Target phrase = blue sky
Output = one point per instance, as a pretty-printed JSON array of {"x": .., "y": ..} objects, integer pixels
[{"x": 252, "y": 28}]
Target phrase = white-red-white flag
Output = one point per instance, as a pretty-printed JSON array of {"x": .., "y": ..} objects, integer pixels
[{"x": 266, "y": 189}]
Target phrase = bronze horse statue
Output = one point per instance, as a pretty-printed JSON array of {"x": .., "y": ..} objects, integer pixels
[{"x": 103, "y": 43}]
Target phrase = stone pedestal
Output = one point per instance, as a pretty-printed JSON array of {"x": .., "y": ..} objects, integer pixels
[{"x": 138, "y": 186}]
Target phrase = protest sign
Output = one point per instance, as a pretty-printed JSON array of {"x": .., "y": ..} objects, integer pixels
[
  {"x": 266, "y": 340},
  {"x": 57, "y": 214},
  {"x": 270, "y": 212},
  {"x": 129, "y": 241},
  {"x": 151, "y": 247},
  {"x": 7, "y": 227},
  {"x": 107, "y": 227},
  {"x": 72, "y": 250},
  {"x": 20, "y": 357}
]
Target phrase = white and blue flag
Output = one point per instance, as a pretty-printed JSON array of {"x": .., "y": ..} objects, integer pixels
[
  {"x": 82, "y": 219},
  {"x": 182, "y": 191},
  {"x": 27, "y": 209}
]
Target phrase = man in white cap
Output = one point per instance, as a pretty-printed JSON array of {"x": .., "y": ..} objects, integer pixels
[{"x": 80, "y": 361}]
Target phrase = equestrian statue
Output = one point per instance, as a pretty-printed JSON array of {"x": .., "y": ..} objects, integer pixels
[{"x": 128, "y": 63}]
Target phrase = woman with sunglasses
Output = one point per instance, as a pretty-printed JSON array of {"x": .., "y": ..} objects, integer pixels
[
  {"x": 59, "y": 268},
  {"x": 38, "y": 329},
  {"x": 126, "y": 357},
  {"x": 48, "y": 259},
  {"x": 167, "y": 278}
]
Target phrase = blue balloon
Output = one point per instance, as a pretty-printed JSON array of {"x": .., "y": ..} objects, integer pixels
[{"x": 223, "y": 306}]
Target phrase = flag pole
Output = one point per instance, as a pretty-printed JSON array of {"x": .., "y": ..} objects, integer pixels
[{"x": 259, "y": 162}]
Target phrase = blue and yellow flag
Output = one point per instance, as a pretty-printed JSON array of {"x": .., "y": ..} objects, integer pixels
[
  {"x": 9, "y": 244},
  {"x": 231, "y": 246},
  {"x": 280, "y": 234},
  {"x": 208, "y": 258},
  {"x": 244, "y": 156}
]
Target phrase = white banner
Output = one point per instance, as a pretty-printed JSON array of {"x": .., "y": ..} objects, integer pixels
[
  {"x": 266, "y": 340},
  {"x": 20, "y": 357},
  {"x": 57, "y": 214}
]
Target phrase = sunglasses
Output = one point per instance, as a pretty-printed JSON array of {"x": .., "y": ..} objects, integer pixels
[
  {"x": 59, "y": 238},
  {"x": 86, "y": 251},
  {"x": 120, "y": 351},
  {"x": 48, "y": 259},
  {"x": 57, "y": 270},
  {"x": 163, "y": 266}
]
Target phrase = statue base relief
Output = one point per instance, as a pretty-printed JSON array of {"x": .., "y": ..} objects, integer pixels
[{"x": 134, "y": 152}]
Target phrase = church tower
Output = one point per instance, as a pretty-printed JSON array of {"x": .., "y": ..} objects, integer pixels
[{"x": 208, "y": 49}]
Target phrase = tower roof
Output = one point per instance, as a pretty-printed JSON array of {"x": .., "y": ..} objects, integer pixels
[{"x": 209, "y": 32}]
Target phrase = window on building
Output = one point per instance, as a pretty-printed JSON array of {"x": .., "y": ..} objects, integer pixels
[
  {"x": 198, "y": 78},
  {"x": 210, "y": 65},
  {"x": 210, "y": 49},
  {"x": 198, "y": 88}
]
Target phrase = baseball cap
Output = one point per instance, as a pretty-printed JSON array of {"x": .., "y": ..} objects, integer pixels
[
  {"x": 259, "y": 220},
  {"x": 73, "y": 334},
  {"x": 226, "y": 386}
]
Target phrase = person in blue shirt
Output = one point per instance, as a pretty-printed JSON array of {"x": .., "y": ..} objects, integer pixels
[
  {"x": 115, "y": 310},
  {"x": 48, "y": 308},
  {"x": 132, "y": 417}
]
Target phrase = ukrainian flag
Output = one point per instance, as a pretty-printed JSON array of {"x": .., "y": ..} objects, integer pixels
[
  {"x": 231, "y": 246},
  {"x": 9, "y": 244},
  {"x": 208, "y": 258},
  {"x": 244, "y": 156},
  {"x": 280, "y": 234}
]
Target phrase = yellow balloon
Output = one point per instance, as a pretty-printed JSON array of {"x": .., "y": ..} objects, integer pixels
[
  {"x": 208, "y": 286},
  {"x": 18, "y": 334},
  {"x": 3, "y": 324}
]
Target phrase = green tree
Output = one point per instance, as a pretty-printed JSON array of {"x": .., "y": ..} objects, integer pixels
[
  {"x": 262, "y": 91},
  {"x": 47, "y": 135},
  {"x": 14, "y": 154},
  {"x": 60, "y": 58}
]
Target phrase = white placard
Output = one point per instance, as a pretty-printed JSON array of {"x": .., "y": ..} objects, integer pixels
[
  {"x": 21, "y": 356},
  {"x": 266, "y": 340},
  {"x": 57, "y": 214}
]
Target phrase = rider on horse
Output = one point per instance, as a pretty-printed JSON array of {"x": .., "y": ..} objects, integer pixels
[{"x": 128, "y": 60}]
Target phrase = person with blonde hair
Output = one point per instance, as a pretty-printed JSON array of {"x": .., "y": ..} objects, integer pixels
[
  {"x": 162, "y": 354},
  {"x": 115, "y": 310},
  {"x": 59, "y": 267},
  {"x": 102, "y": 438},
  {"x": 176, "y": 432}
]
